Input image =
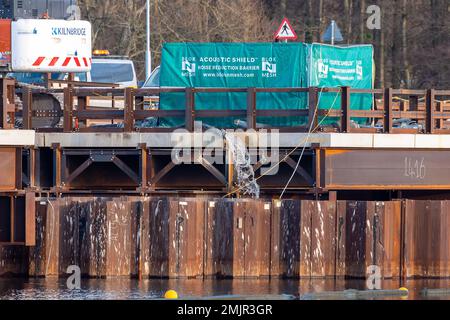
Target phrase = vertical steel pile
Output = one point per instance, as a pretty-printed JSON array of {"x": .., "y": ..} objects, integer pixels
[
  {"x": 369, "y": 234},
  {"x": 303, "y": 239},
  {"x": 427, "y": 239},
  {"x": 172, "y": 238},
  {"x": 95, "y": 234}
]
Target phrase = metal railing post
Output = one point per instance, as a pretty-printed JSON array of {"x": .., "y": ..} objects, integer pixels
[
  {"x": 313, "y": 110},
  {"x": 68, "y": 109},
  {"x": 251, "y": 108},
  {"x": 345, "y": 106},
  {"x": 129, "y": 110},
  {"x": 431, "y": 110},
  {"x": 27, "y": 100},
  {"x": 190, "y": 109},
  {"x": 388, "y": 118}
]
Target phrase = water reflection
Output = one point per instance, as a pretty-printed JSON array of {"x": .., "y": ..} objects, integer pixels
[{"x": 125, "y": 289}]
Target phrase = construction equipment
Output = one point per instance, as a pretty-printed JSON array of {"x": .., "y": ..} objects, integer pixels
[{"x": 44, "y": 46}]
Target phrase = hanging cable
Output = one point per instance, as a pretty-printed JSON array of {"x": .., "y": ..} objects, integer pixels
[
  {"x": 304, "y": 149},
  {"x": 292, "y": 151}
]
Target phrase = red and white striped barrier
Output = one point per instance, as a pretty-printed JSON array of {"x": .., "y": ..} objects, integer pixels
[{"x": 79, "y": 62}]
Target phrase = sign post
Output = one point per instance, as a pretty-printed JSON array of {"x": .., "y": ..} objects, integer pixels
[{"x": 285, "y": 32}]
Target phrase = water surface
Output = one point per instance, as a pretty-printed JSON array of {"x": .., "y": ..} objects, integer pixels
[{"x": 125, "y": 289}]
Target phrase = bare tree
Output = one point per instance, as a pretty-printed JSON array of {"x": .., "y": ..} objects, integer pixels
[{"x": 412, "y": 48}]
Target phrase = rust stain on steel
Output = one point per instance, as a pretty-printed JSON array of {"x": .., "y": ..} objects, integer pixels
[
  {"x": 334, "y": 152},
  {"x": 13, "y": 260},
  {"x": 37, "y": 253},
  {"x": 164, "y": 237},
  {"x": 172, "y": 238},
  {"x": 118, "y": 244},
  {"x": 386, "y": 169},
  {"x": 251, "y": 244},
  {"x": 426, "y": 239},
  {"x": 155, "y": 239},
  {"x": 369, "y": 233},
  {"x": 68, "y": 235},
  {"x": 389, "y": 239},
  {"x": 52, "y": 241},
  {"x": 186, "y": 238},
  {"x": 30, "y": 219},
  {"x": 416, "y": 238},
  {"x": 8, "y": 165},
  {"x": 323, "y": 238},
  {"x": 219, "y": 244},
  {"x": 305, "y": 239},
  {"x": 95, "y": 238},
  {"x": 439, "y": 265},
  {"x": 341, "y": 216},
  {"x": 291, "y": 240}
]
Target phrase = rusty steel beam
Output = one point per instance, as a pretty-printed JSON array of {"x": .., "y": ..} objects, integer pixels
[
  {"x": 126, "y": 169},
  {"x": 11, "y": 168},
  {"x": 30, "y": 219},
  {"x": 7, "y": 103},
  {"x": 385, "y": 169}
]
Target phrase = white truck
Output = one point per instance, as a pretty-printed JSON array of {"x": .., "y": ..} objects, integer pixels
[
  {"x": 30, "y": 46},
  {"x": 31, "y": 50}
]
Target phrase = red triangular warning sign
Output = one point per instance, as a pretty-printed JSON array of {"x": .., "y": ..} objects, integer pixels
[{"x": 286, "y": 32}]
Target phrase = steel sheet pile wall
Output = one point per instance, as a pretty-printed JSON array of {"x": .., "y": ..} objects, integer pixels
[
  {"x": 95, "y": 234},
  {"x": 172, "y": 238},
  {"x": 195, "y": 238},
  {"x": 304, "y": 239},
  {"x": 13, "y": 261},
  {"x": 368, "y": 234},
  {"x": 427, "y": 247}
]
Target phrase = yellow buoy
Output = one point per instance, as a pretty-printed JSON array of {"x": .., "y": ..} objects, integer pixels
[
  {"x": 171, "y": 294},
  {"x": 405, "y": 297}
]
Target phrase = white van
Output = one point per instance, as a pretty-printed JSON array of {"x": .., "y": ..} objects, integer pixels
[{"x": 119, "y": 71}]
